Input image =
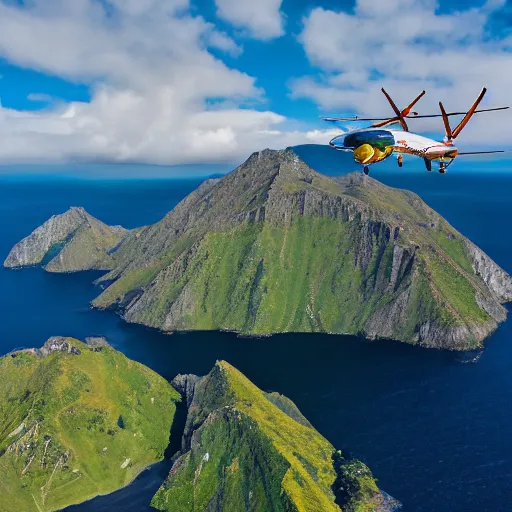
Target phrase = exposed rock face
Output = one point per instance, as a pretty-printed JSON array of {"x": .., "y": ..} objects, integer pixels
[
  {"x": 276, "y": 247},
  {"x": 97, "y": 343},
  {"x": 58, "y": 344},
  {"x": 186, "y": 386},
  {"x": 494, "y": 276},
  {"x": 247, "y": 450},
  {"x": 85, "y": 243}
]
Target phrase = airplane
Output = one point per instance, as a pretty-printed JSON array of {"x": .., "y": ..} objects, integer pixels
[{"x": 376, "y": 143}]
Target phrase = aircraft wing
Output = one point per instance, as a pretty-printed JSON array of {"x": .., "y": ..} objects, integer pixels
[{"x": 356, "y": 118}]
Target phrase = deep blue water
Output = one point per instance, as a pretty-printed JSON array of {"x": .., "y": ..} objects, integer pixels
[{"x": 437, "y": 433}]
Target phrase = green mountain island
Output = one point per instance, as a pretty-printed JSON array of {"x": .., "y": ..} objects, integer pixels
[
  {"x": 244, "y": 449},
  {"x": 80, "y": 419},
  {"x": 274, "y": 246},
  {"x": 77, "y": 420}
]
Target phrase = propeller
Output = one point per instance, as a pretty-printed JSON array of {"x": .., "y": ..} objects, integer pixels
[
  {"x": 446, "y": 122},
  {"x": 400, "y": 116},
  {"x": 451, "y": 135}
]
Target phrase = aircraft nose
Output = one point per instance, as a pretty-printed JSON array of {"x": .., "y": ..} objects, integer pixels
[{"x": 337, "y": 142}]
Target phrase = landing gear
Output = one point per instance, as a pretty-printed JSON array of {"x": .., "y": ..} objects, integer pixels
[
  {"x": 366, "y": 170},
  {"x": 400, "y": 160},
  {"x": 444, "y": 164}
]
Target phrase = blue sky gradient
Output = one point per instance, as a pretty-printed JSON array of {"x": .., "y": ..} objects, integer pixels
[{"x": 170, "y": 82}]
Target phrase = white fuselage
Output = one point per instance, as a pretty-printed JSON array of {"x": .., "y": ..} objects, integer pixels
[{"x": 414, "y": 144}]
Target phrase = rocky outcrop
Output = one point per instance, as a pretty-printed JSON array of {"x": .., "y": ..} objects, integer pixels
[
  {"x": 71, "y": 242},
  {"x": 186, "y": 386},
  {"x": 97, "y": 343},
  {"x": 392, "y": 267},
  {"x": 58, "y": 344}
]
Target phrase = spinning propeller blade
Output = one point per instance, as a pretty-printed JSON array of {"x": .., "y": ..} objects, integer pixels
[
  {"x": 451, "y": 135},
  {"x": 400, "y": 116},
  {"x": 407, "y": 114}
]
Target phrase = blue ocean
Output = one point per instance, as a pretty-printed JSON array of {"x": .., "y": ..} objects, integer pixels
[{"x": 435, "y": 427}]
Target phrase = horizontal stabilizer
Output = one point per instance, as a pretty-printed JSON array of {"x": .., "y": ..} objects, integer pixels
[
  {"x": 480, "y": 153},
  {"x": 354, "y": 118}
]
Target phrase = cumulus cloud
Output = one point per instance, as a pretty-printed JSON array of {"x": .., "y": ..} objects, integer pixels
[
  {"x": 159, "y": 95},
  {"x": 263, "y": 19},
  {"x": 407, "y": 46}
]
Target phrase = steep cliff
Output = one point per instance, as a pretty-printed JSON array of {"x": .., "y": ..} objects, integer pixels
[
  {"x": 70, "y": 242},
  {"x": 77, "y": 420},
  {"x": 244, "y": 449}
]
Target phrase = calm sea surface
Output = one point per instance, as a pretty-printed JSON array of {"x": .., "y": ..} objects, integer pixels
[{"x": 436, "y": 432}]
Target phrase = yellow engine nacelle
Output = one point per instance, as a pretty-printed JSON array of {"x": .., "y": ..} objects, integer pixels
[{"x": 367, "y": 154}]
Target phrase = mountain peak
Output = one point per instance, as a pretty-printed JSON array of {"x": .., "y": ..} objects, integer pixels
[{"x": 275, "y": 246}]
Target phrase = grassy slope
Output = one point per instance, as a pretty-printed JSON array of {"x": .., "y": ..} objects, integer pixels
[
  {"x": 259, "y": 457},
  {"x": 242, "y": 471},
  {"x": 262, "y": 278},
  {"x": 88, "y": 249},
  {"x": 77, "y": 405}
]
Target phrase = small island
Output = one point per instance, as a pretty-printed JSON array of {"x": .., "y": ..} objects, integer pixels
[{"x": 77, "y": 420}]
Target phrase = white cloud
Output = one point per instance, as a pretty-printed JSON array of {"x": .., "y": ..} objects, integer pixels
[
  {"x": 263, "y": 19},
  {"x": 39, "y": 98},
  {"x": 158, "y": 94},
  {"x": 407, "y": 46}
]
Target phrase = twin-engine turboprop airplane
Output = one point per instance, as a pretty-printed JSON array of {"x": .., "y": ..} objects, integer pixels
[{"x": 376, "y": 143}]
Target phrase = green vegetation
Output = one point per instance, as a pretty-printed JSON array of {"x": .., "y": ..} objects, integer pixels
[
  {"x": 74, "y": 426},
  {"x": 79, "y": 420},
  {"x": 87, "y": 249},
  {"x": 130, "y": 280},
  {"x": 262, "y": 278},
  {"x": 139, "y": 277},
  {"x": 249, "y": 454},
  {"x": 356, "y": 487}
]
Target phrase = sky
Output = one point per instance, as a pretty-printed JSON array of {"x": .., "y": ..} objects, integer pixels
[{"x": 192, "y": 82}]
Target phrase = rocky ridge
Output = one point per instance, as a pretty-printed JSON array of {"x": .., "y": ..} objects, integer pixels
[
  {"x": 78, "y": 420},
  {"x": 242, "y": 450},
  {"x": 392, "y": 267}
]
